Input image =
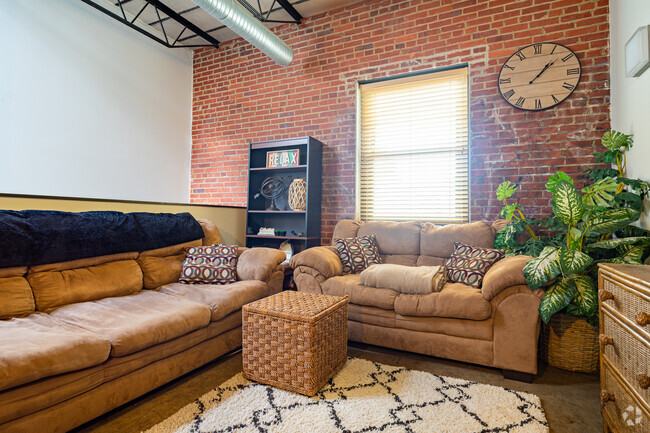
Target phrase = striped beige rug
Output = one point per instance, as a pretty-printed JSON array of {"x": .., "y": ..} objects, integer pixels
[{"x": 363, "y": 397}]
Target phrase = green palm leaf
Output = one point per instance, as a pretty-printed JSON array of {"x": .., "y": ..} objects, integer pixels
[
  {"x": 610, "y": 244},
  {"x": 508, "y": 211},
  {"x": 557, "y": 297},
  {"x": 586, "y": 297},
  {"x": 567, "y": 203},
  {"x": 557, "y": 178},
  {"x": 600, "y": 193},
  {"x": 542, "y": 269},
  {"x": 505, "y": 190},
  {"x": 572, "y": 262},
  {"x": 629, "y": 255},
  {"x": 612, "y": 220},
  {"x": 613, "y": 140}
]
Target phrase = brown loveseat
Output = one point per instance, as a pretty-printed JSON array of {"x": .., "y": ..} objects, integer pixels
[
  {"x": 85, "y": 336},
  {"x": 497, "y": 325}
]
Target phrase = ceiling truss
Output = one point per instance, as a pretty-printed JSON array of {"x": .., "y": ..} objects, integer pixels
[{"x": 184, "y": 29}]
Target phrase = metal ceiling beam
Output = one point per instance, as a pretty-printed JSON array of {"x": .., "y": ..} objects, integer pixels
[
  {"x": 188, "y": 25},
  {"x": 290, "y": 10},
  {"x": 183, "y": 21},
  {"x": 212, "y": 42}
]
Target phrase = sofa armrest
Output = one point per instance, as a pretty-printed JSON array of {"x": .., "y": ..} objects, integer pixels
[
  {"x": 324, "y": 260},
  {"x": 258, "y": 263},
  {"x": 505, "y": 273},
  {"x": 516, "y": 325}
]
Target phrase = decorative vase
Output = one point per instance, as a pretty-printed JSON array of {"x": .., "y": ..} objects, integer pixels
[
  {"x": 298, "y": 194},
  {"x": 570, "y": 343}
]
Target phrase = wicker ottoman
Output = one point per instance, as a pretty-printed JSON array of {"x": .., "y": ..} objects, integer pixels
[{"x": 295, "y": 340}]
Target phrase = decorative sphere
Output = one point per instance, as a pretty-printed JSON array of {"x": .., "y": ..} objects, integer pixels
[{"x": 272, "y": 187}]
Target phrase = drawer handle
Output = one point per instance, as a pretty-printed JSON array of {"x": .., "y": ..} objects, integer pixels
[
  {"x": 644, "y": 380},
  {"x": 604, "y": 295},
  {"x": 606, "y": 396},
  {"x": 605, "y": 340},
  {"x": 642, "y": 319}
]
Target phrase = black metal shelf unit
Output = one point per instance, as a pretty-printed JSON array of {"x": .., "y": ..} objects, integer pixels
[{"x": 301, "y": 228}]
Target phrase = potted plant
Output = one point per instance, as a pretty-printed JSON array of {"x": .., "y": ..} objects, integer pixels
[{"x": 586, "y": 228}]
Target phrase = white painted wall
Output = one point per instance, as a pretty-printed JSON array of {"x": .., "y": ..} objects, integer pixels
[
  {"x": 630, "y": 97},
  {"x": 89, "y": 107}
]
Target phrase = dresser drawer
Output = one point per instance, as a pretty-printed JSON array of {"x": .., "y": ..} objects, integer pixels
[
  {"x": 628, "y": 352},
  {"x": 633, "y": 304},
  {"x": 619, "y": 407}
]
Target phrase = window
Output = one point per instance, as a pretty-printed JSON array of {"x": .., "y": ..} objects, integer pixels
[{"x": 412, "y": 148}]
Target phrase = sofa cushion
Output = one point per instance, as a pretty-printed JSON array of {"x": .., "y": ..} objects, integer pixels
[
  {"x": 135, "y": 322},
  {"x": 394, "y": 237},
  {"x": 220, "y": 299},
  {"x": 15, "y": 297},
  {"x": 455, "y": 300},
  {"x": 213, "y": 264},
  {"x": 350, "y": 285},
  {"x": 39, "y": 346},
  {"x": 83, "y": 263},
  {"x": 41, "y": 394},
  {"x": 55, "y": 288},
  {"x": 438, "y": 241},
  {"x": 158, "y": 271},
  {"x": 468, "y": 264},
  {"x": 211, "y": 234},
  {"x": 399, "y": 259},
  {"x": 356, "y": 254},
  {"x": 474, "y": 329},
  {"x": 430, "y": 261},
  {"x": 346, "y": 229},
  {"x": 172, "y": 250}
]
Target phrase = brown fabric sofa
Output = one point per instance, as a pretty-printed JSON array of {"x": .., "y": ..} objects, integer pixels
[
  {"x": 82, "y": 337},
  {"x": 497, "y": 325}
]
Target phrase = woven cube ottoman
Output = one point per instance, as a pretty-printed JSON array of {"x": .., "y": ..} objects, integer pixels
[{"x": 295, "y": 340}]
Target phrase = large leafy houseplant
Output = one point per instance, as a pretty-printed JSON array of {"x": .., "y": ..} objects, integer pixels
[{"x": 584, "y": 230}]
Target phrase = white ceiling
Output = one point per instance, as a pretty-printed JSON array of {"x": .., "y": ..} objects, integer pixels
[{"x": 188, "y": 9}]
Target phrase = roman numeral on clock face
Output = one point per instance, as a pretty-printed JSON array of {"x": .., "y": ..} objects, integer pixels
[
  {"x": 504, "y": 80},
  {"x": 573, "y": 71},
  {"x": 538, "y": 104},
  {"x": 555, "y": 99},
  {"x": 568, "y": 86},
  {"x": 520, "y": 102},
  {"x": 567, "y": 57},
  {"x": 509, "y": 94},
  {"x": 538, "y": 48},
  {"x": 520, "y": 55}
]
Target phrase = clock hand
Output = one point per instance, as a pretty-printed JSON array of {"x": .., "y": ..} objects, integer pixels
[{"x": 548, "y": 65}]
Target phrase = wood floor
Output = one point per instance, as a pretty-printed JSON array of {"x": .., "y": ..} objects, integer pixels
[{"x": 570, "y": 400}]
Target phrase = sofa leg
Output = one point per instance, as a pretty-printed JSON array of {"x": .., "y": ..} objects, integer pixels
[{"x": 518, "y": 376}]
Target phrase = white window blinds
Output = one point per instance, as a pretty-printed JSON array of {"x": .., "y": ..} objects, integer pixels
[{"x": 412, "y": 155}]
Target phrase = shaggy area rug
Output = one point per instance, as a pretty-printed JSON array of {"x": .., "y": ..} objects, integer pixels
[{"x": 364, "y": 396}]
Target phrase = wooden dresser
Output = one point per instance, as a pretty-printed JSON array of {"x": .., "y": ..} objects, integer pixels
[{"x": 624, "y": 301}]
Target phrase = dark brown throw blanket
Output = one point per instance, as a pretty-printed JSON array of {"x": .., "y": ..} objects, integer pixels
[{"x": 35, "y": 237}]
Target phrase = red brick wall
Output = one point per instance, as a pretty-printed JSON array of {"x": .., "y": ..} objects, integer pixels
[{"x": 240, "y": 95}]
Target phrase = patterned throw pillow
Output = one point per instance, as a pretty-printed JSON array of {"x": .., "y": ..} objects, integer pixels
[
  {"x": 358, "y": 253},
  {"x": 469, "y": 264},
  {"x": 214, "y": 264}
]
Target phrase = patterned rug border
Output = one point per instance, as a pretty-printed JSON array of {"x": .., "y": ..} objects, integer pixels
[{"x": 265, "y": 409}]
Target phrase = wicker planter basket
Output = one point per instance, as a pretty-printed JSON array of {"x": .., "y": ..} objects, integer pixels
[
  {"x": 298, "y": 194},
  {"x": 570, "y": 343}
]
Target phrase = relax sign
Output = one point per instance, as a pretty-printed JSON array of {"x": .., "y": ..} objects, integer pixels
[{"x": 283, "y": 158}]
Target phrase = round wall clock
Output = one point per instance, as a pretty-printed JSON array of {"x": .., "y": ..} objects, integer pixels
[{"x": 539, "y": 76}]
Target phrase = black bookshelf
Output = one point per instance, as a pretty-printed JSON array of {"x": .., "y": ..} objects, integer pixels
[{"x": 305, "y": 222}]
